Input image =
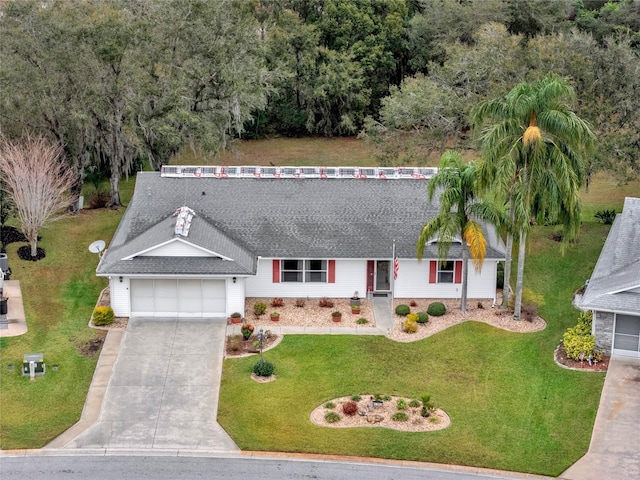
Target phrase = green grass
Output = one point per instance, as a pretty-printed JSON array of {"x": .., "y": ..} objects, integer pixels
[
  {"x": 59, "y": 293},
  {"x": 512, "y": 408}
]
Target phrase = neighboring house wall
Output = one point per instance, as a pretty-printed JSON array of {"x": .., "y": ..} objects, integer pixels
[
  {"x": 603, "y": 330},
  {"x": 350, "y": 275}
]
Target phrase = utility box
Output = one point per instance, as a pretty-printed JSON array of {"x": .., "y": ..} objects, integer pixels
[{"x": 39, "y": 368}]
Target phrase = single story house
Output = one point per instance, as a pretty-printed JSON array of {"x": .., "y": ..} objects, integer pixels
[
  {"x": 613, "y": 292},
  {"x": 195, "y": 241}
]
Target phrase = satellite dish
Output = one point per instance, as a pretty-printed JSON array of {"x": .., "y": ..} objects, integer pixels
[{"x": 97, "y": 246}]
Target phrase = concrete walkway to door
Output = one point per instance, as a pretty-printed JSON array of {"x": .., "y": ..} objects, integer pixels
[
  {"x": 163, "y": 390},
  {"x": 614, "y": 452}
]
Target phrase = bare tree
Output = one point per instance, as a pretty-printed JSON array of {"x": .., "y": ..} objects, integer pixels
[{"x": 37, "y": 179}]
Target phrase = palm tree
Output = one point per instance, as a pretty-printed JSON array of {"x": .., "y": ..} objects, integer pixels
[
  {"x": 533, "y": 147},
  {"x": 459, "y": 215}
]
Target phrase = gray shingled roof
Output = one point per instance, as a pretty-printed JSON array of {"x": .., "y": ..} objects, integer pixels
[
  {"x": 243, "y": 218},
  {"x": 617, "y": 271}
]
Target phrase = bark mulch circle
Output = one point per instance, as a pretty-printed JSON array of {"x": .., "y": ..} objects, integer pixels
[{"x": 24, "y": 253}]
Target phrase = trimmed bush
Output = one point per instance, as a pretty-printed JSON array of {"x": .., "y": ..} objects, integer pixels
[
  {"x": 403, "y": 310},
  {"x": 578, "y": 340},
  {"x": 436, "y": 309},
  {"x": 401, "y": 404},
  {"x": 362, "y": 321},
  {"x": 423, "y": 317},
  {"x": 350, "y": 408},
  {"x": 356, "y": 397},
  {"x": 329, "y": 405},
  {"x": 263, "y": 369},
  {"x": 103, "y": 315},
  {"x": 331, "y": 417},
  {"x": 259, "y": 308},
  {"x": 410, "y": 326},
  {"x": 415, "y": 403}
]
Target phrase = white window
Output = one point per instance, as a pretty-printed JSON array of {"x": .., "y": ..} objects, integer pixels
[
  {"x": 445, "y": 272},
  {"x": 308, "y": 271}
]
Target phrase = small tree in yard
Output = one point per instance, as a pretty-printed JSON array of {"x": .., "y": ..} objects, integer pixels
[{"x": 37, "y": 180}]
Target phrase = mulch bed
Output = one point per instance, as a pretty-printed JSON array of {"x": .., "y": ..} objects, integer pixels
[
  {"x": 236, "y": 346},
  {"x": 561, "y": 358}
]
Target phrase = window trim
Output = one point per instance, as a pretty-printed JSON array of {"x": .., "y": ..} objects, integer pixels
[{"x": 304, "y": 271}]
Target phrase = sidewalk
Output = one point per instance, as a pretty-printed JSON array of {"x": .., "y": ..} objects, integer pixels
[{"x": 614, "y": 452}]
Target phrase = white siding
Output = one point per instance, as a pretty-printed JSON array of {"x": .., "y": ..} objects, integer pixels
[
  {"x": 413, "y": 281},
  {"x": 120, "y": 298},
  {"x": 177, "y": 248},
  {"x": 351, "y": 275},
  {"x": 235, "y": 295}
]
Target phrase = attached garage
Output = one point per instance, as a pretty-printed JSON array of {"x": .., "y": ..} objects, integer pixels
[
  {"x": 178, "y": 297},
  {"x": 626, "y": 338}
]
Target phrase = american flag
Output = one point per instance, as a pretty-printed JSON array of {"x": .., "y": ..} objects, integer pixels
[{"x": 396, "y": 267}]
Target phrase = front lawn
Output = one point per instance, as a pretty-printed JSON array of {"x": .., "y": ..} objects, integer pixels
[{"x": 511, "y": 407}]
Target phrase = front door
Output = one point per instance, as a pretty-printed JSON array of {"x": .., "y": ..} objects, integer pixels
[{"x": 383, "y": 269}]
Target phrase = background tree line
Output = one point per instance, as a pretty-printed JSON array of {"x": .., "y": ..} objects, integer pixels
[{"x": 122, "y": 83}]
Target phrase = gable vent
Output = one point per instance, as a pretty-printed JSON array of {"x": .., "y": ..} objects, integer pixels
[{"x": 183, "y": 222}]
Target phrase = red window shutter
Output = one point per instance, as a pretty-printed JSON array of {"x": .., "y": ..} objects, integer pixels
[
  {"x": 331, "y": 274},
  {"x": 433, "y": 271},
  {"x": 457, "y": 277},
  {"x": 276, "y": 271},
  {"x": 370, "y": 274}
]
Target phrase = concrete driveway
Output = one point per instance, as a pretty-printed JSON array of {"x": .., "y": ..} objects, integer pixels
[
  {"x": 614, "y": 452},
  {"x": 163, "y": 391}
]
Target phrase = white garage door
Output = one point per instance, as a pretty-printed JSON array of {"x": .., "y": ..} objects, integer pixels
[
  {"x": 626, "y": 339},
  {"x": 179, "y": 297}
]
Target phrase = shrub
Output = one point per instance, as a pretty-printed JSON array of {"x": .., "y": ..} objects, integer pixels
[
  {"x": 403, "y": 310},
  {"x": 606, "y": 216},
  {"x": 578, "y": 340},
  {"x": 103, "y": 315},
  {"x": 529, "y": 311},
  {"x": 234, "y": 343},
  {"x": 246, "y": 330},
  {"x": 99, "y": 200},
  {"x": 410, "y": 326},
  {"x": 331, "y": 417},
  {"x": 263, "y": 368},
  {"x": 324, "y": 302},
  {"x": 413, "y": 317},
  {"x": 412, "y": 303},
  {"x": 362, "y": 321},
  {"x": 414, "y": 403},
  {"x": 400, "y": 417},
  {"x": 356, "y": 397},
  {"x": 277, "y": 302},
  {"x": 436, "y": 309},
  {"x": 259, "y": 308},
  {"x": 300, "y": 302},
  {"x": 401, "y": 404},
  {"x": 329, "y": 405},
  {"x": 350, "y": 408},
  {"x": 423, "y": 317},
  {"x": 427, "y": 406}
]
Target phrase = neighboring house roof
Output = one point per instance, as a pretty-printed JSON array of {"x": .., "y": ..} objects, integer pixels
[
  {"x": 241, "y": 219},
  {"x": 615, "y": 281}
]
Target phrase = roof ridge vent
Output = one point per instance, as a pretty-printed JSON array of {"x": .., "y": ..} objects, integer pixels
[{"x": 183, "y": 222}]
